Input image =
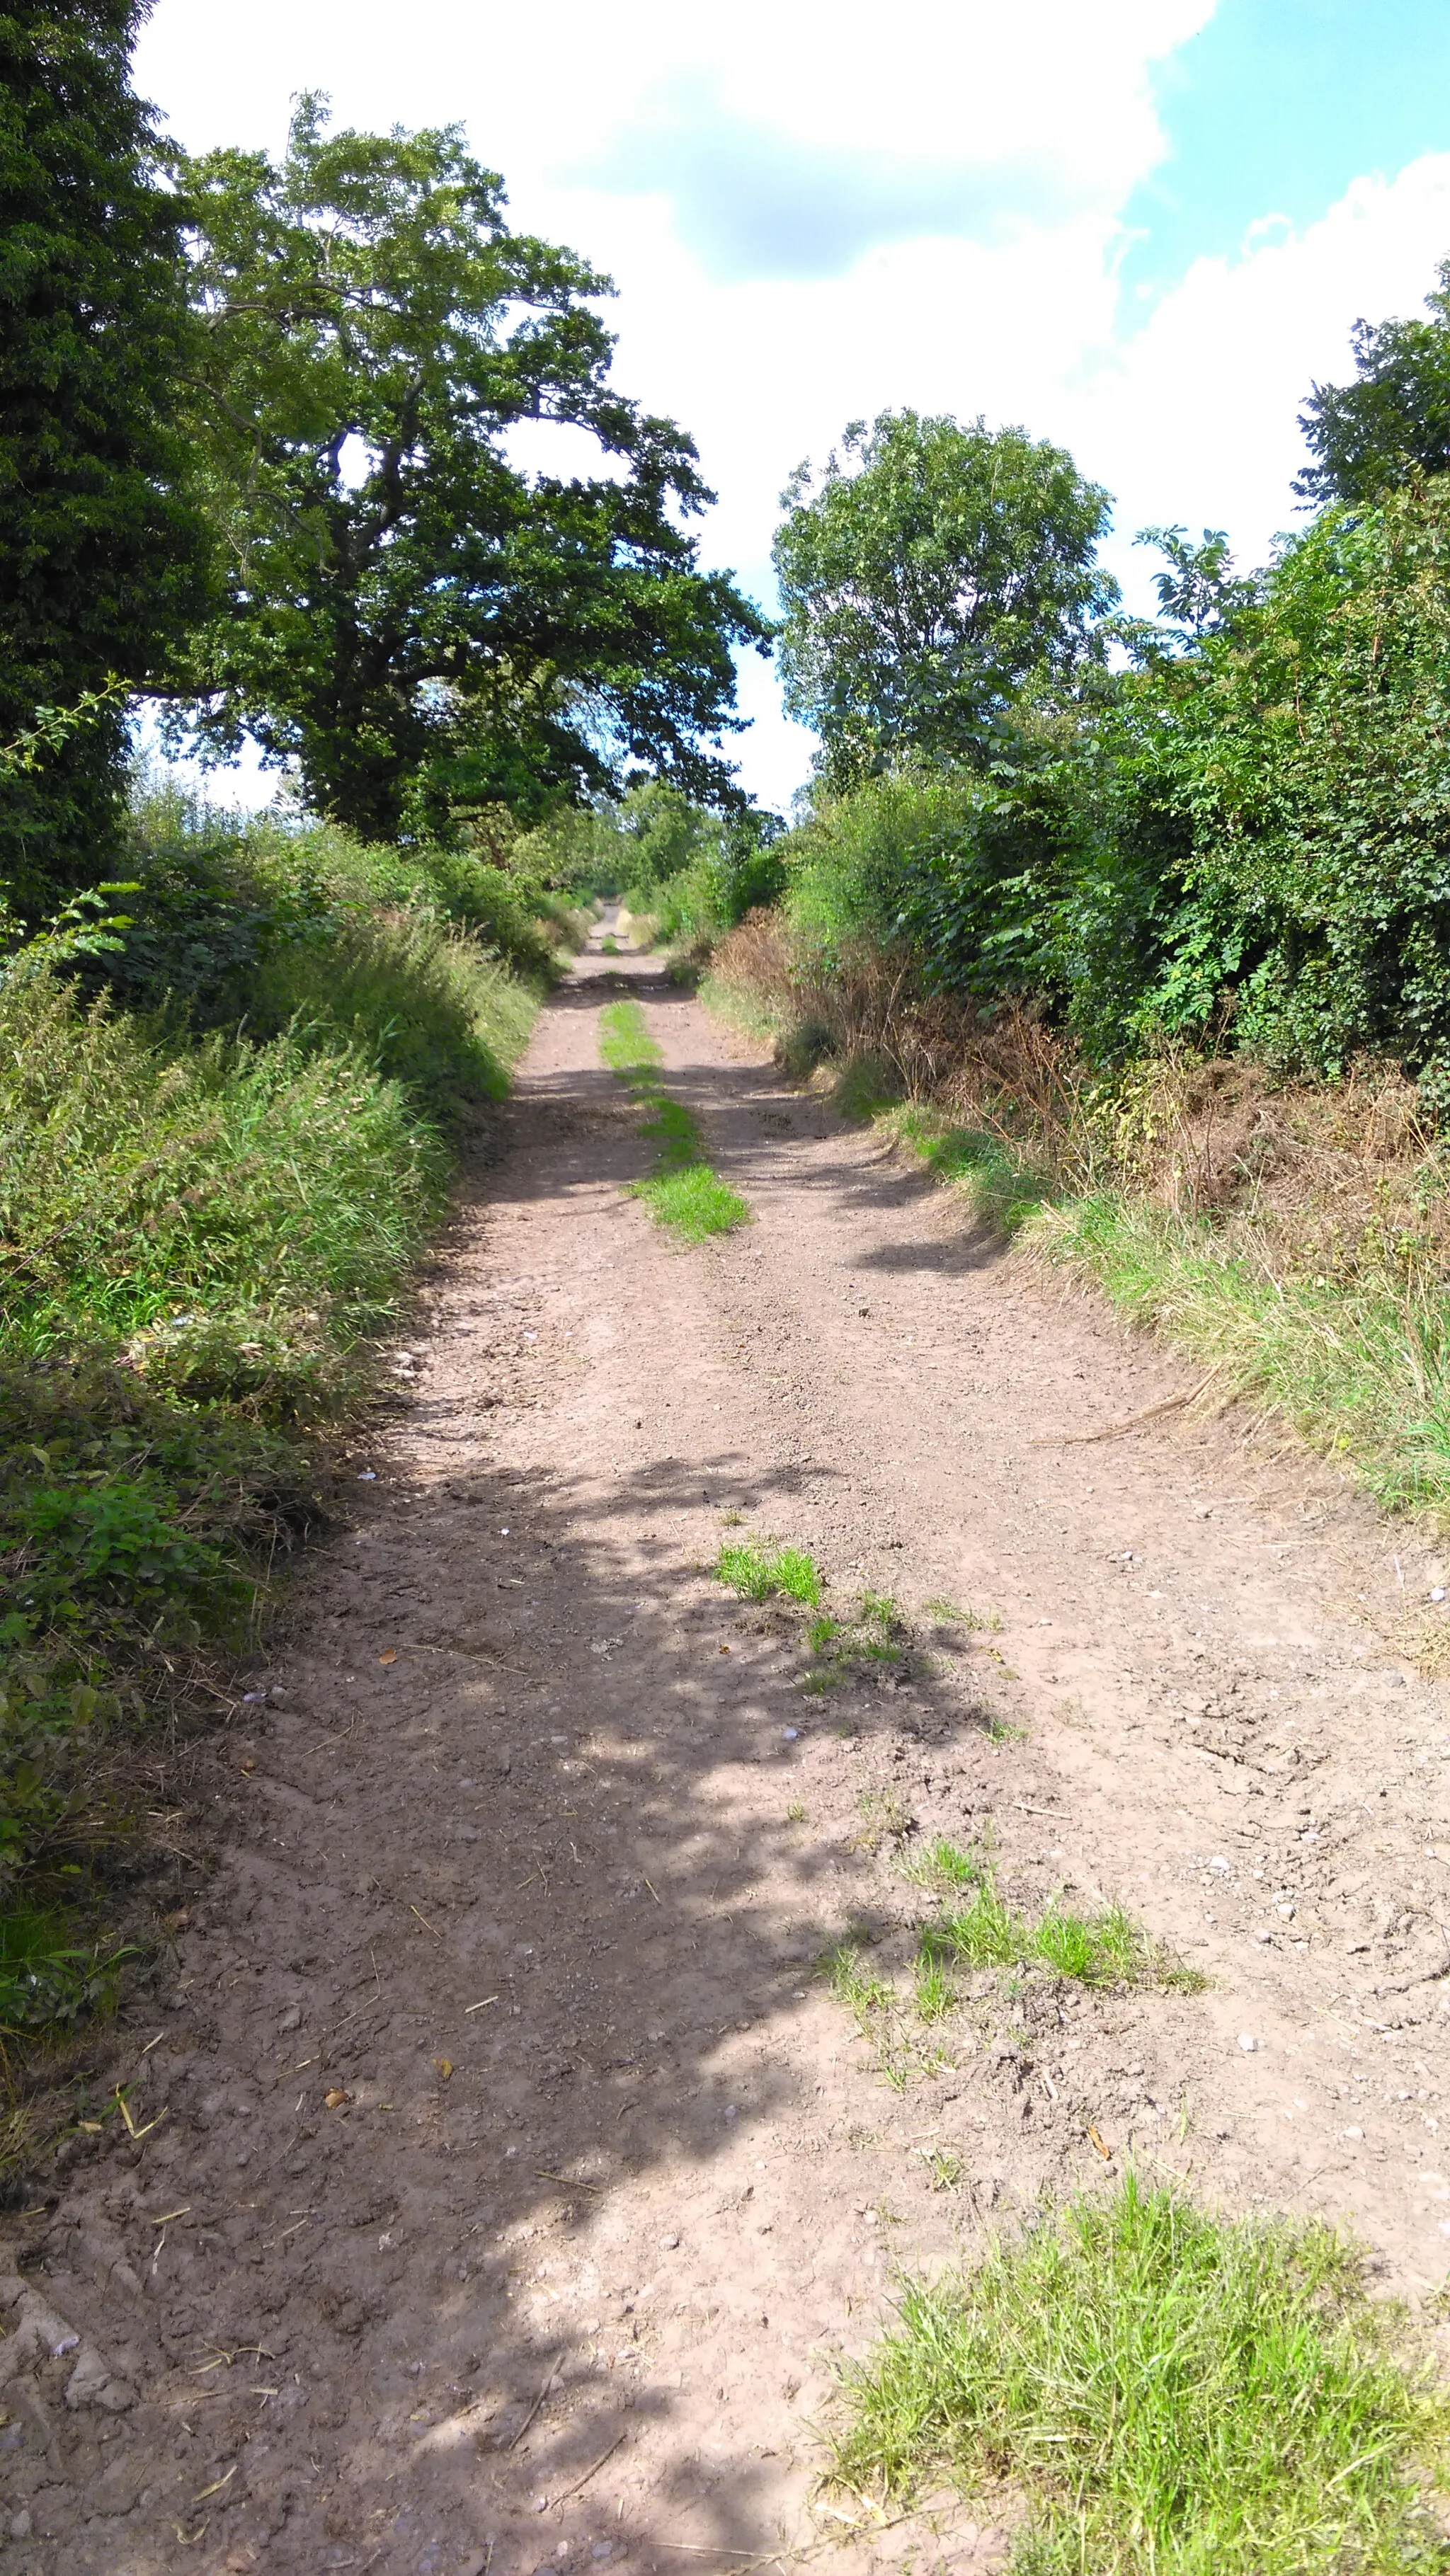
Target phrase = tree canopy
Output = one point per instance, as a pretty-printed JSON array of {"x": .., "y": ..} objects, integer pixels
[
  {"x": 1367, "y": 435},
  {"x": 411, "y": 617},
  {"x": 102, "y": 552},
  {"x": 926, "y": 575}
]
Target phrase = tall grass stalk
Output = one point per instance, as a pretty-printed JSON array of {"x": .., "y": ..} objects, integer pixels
[{"x": 1362, "y": 1368}]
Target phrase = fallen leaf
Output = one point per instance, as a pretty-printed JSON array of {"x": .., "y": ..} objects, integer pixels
[
  {"x": 389, "y": 1655},
  {"x": 1104, "y": 2151},
  {"x": 444, "y": 2066},
  {"x": 336, "y": 2098}
]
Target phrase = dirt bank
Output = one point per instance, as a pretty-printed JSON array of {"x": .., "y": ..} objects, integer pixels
[{"x": 513, "y": 2181}]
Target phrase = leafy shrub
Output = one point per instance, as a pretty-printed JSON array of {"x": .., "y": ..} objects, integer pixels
[
  {"x": 216, "y": 901},
  {"x": 1301, "y": 753}
]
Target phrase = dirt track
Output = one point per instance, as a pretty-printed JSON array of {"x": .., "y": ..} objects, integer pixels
[{"x": 511, "y": 1867}]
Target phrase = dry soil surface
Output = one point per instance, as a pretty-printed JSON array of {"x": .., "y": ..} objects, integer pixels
[{"x": 507, "y": 2184}]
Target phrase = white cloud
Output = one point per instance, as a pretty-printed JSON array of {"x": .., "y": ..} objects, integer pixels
[
  {"x": 1195, "y": 418},
  {"x": 1010, "y": 141}
]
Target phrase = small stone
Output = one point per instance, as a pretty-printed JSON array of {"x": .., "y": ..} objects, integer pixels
[
  {"x": 1351, "y": 2133},
  {"x": 1218, "y": 1862},
  {"x": 668, "y": 2244},
  {"x": 1247, "y": 2042},
  {"x": 291, "y": 2019}
]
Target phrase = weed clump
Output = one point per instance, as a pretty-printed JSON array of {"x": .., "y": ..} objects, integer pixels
[
  {"x": 694, "y": 1203},
  {"x": 1103, "y": 1949},
  {"x": 763, "y": 1573},
  {"x": 1171, "y": 2393}
]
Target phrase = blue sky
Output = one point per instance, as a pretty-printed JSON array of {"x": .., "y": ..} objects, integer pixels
[
  {"x": 1273, "y": 108},
  {"x": 1141, "y": 228}
]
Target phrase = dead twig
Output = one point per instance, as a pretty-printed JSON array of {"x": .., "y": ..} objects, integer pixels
[
  {"x": 549, "y": 2504},
  {"x": 515, "y": 2440},
  {"x": 1135, "y": 1421}
]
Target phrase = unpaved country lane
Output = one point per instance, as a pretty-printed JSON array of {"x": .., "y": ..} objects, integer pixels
[{"x": 518, "y": 2180}]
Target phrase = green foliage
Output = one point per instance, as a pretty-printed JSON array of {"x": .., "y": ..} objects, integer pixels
[
  {"x": 925, "y": 580},
  {"x": 235, "y": 919},
  {"x": 234, "y": 1216},
  {"x": 1299, "y": 754},
  {"x": 1393, "y": 419},
  {"x": 1249, "y": 836},
  {"x": 47, "y": 1981},
  {"x": 420, "y": 625},
  {"x": 965, "y": 871},
  {"x": 1172, "y": 2394},
  {"x": 694, "y": 872},
  {"x": 102, "y": 553},
  {"x": 762, "y": 1573}
]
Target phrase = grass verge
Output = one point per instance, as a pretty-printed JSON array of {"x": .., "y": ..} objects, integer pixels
[
  {"x": 201, "y": 1238},
  {"x": 1170, "y": 2394},
  {"x": 1294, "y": 1235},
  {"x": 1361, "y": 1370},
  {"x": 682, "y": 1194}
]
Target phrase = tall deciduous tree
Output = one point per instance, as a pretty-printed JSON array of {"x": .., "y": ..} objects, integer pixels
[
  {"x": 926, "y": 575},
  {"x": 416, "y": 616},
  {"x": 1367, "y": 436},
  {"x": 101, "y": 553}
]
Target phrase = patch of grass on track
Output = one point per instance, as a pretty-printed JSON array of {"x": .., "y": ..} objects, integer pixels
[
  {"x": 765, "y": 1573},
  {"x": 625, "y": 1044},
  {"x": 1171, "y": 2394},
  {"x": 682, "y": 1193},
  {"x": 693, "y": 1202},
  {"x": 1102, "y": 1949}
]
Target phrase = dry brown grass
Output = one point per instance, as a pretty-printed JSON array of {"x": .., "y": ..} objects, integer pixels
[{"x": 1337, "y": 1179}]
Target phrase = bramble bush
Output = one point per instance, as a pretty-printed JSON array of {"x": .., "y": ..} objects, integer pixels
[{"x": 1244, "y": 839}]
